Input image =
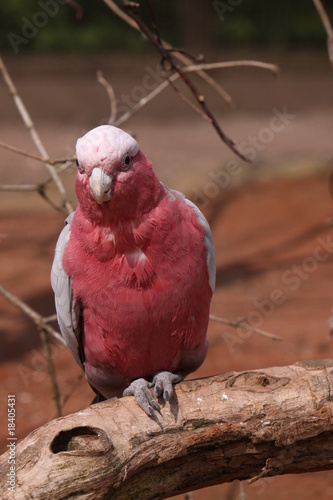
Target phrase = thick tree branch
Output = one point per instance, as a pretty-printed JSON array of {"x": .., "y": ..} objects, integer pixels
[{"x": 243, "y": 425}]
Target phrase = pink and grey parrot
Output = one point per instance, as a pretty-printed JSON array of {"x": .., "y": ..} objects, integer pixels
[{"x": 133, "y": 274}]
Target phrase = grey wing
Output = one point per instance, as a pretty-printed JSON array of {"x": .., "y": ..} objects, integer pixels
[
  {"x": 67, "y": 313},
  {"x": 209, "y": 243}
]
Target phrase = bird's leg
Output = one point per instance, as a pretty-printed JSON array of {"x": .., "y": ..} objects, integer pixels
[
  {"x": 140, "y": 390},
  {"x": 163, "y": 383}
]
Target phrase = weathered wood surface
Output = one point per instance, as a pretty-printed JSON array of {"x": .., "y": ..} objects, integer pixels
[{"x": 232, "y": 426}]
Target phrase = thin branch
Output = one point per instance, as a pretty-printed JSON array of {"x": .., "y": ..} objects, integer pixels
[
  {"x": 145, "y": 100},
  {"x": 242, "y": 322},
  {"x": 196, "y": 94},
  {"x": 109, "y": 89},
  {"x": 34, "y": 156},
  {"x": 328, "y": 27},
  {"x": 77, "y": 7},
  {"x": 44, "y": 331},
  {"x": 38, "y": 188},
  {"x": 175, "y": 76},
  {"x": 65, "y": 166},
  {"x": 232, "y": 64},
  {"x": 72, "y": 388},
  {"x": 18, "y": 187},
  {"x": 32, "y": 314},
  {"x": 50, "y": 365},
  {"x": 50, "y": 319},
  {"x": 190, "y": 103},
  {"x": 34, "y": 135},
  {"x": 179, "y": 55}
]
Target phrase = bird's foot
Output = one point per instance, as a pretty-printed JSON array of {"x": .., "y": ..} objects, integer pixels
[
  {"x": 140, "y": 390},
  {"x": 163, "y": 383}
]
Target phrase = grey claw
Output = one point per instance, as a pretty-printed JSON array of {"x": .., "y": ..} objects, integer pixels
[
  {"x": 164, "y": 382},
  {"x": 140, "y": 390},
  {"x": 156, "y": 406}
]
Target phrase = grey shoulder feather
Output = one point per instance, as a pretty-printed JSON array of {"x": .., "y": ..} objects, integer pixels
[{"x": 61, "y": 285}]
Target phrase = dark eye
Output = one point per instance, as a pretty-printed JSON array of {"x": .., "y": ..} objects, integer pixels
[
  {"x": 80, "y": 169},
  {"x": 126, "y": 162}
]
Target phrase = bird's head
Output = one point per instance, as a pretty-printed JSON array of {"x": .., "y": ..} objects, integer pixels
[{"x": 114, "y": 178}]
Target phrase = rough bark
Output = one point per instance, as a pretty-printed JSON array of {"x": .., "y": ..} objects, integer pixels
[{"x": 233, "y": 426}]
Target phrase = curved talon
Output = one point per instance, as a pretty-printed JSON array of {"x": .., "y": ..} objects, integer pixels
[
  {"x": 140, "y": 390},
  {"x": 164, "y": 382}
]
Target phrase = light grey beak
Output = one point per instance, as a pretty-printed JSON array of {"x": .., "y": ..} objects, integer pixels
[{"x": 100, "y": 183}]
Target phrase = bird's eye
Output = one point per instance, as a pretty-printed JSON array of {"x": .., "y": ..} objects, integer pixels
[
  {"x": 126, "y": 162},
  {"x": 80, "y": 169}
]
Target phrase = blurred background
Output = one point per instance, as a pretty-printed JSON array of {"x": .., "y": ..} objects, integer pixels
[{"x": 268, "y": 217}]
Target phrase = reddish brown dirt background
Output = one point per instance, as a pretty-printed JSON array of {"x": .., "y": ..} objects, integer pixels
[{"x": 272, "y": 224}]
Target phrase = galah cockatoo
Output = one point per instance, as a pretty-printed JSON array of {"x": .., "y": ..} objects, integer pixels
[{"x": 133, "y": 274}]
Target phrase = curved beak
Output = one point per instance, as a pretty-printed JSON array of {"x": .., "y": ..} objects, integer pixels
[{"x": 100, "y": 183}]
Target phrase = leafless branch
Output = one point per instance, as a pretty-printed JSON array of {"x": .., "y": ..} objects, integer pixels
[
  {"x": 179, "y": 55},
  {"x": 167, "y": 57},
  {"x": 34, "y": 135},
  {"x": 18, "y": 187},
  {"x": 39, "y": 321},
  {"x": 188, "y": 69},
  {"x": 109, "y": 89},
  {"x": 72, "y": 388},
  {"x": 242, "y": 322},
  {"x": 45, "y": 331},
  {"x": 34, "y": 156},
  {"x": 50, "y": 366},
  {"x": 77, "y": 7},
  {"x": 328, "y": 27},
  {"x": 232, "y": 64}
]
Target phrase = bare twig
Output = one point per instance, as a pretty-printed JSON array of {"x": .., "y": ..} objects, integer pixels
[
  {"x": 179, "y": 55},
  {"x": 328, "y": 27},
  {"x": 145, "y": 100},
  {"x": 166, "y": 56},
  {"x": 190, "y": 103},
  {"x": 36, "y": 157},
  {"x": 113, "y": 103},
  {"x": 45, "y": 331},
  {"x": 18, "y": 187},
  {"x": 188, "y": 69},
  {"x": 77, "y": 7},
  {"x": 72, "y": 388},
  {"x": 32, "y": 314},
  {"x": 34, "y": 135},
  {"x": 50, "y": 365},
  {"x": 232, "y": 64},
  {"x": 38, "y": 188},
  {"x": 242, "y": 322}
]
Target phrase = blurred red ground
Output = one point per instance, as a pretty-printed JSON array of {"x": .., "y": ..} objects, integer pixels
[{"x": 267, "y": 232}]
